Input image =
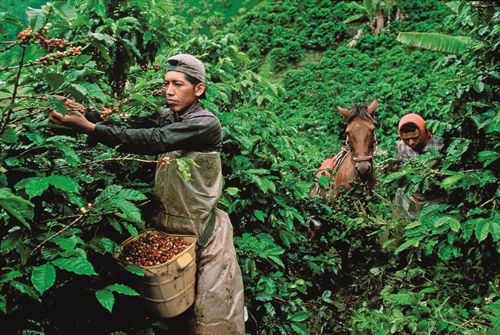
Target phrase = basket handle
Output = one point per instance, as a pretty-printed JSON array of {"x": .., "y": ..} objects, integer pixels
[{"x": 184, "y": 261}]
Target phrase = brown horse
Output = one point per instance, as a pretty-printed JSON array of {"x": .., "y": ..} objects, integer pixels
[
  {"x": 354, "y": 163},
  {"x": 352, "y": 166}
]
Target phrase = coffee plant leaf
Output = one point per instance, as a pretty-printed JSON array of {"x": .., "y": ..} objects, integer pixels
[
  {"x": 132, "y": 47},
  {"x": 488, "y": 157},
  {"x": 126, "y": 23},
  {"x": 265, "y": 185},
  {"x": 57, "y": 104},
  {"x": 396, "y": 175},
  {"x": 431, "y": 209},
  {"x": 43, "y": 277},
  {"x": 106, "y": 299},
  {"x": 130, "y": 211},
  {"x": 414, "y": 242},
  {"x": 67, "y": 243},
  {"x": 402, "y": 298},
  {"x": 49, "y": 254},
  {"x": 103, "y": 51},
  {"x": 10, "y": 242},
  {"x": 12, "y": 162},
  {"x": 115, "y": 224},
  {"x": 183, "y": 168},
  {"x": 108, "y": 193},
  {"x": 135, "y": 269},
  {"x": 260, "y": 215},
  {"x": 109, "y": 40},
  {"x": 78, "y": 91},
  {"x": 495, "y": 307},
  {"x": 16, "y": 206},
  {"x": 64, "y": 183},
  {"x": 36, "y": 137},
  {"x": 3, "y": 304},
  {"x": 299, "y": 316},
  {"x": 323, "y": 181},
  {"x": 104, "y": 245},
  {"x": 451, "y": 181},
  {"x": 25, "y": 289},
  {"x": 286, "y": 238},
  {"x": 9, "y": 136},
  {"x": 122, "y": 289},
  {"x": 495, "y": 228},
  {"x": 447, "y": 222},
  {"x": 94, "y": 91},
  {"x": 232, "y": 191},
  {"x": 5, "y": 17},
  {"x": 299, "y": 328},
  {"x": 84, "y": 60},
  {"x": 70, "y": 155},
  {"x": 276, "y": 261},
  {"x": 55, "y": 80},
  {"x": 483, "y": 228},
  {"x": 66, "y": 11},
  {"x": 131, "y": 229},
  {"x": 76, "y": 200},
  {"x": 130, "y": 194},
  {"x": 457, "y": 147},
  {"x": 78, "y": 265},
  {"x": 37, "y": 16},
  {"x": 9, "y": 276}
]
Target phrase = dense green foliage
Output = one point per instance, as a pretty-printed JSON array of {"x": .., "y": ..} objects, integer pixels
[{"x": 275, "y": 75}]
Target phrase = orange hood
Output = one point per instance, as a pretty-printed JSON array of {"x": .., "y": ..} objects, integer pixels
[{"x": 418, "y": 121}]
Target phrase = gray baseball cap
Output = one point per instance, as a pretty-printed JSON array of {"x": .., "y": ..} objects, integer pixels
[{"x": 187, "y": 64}]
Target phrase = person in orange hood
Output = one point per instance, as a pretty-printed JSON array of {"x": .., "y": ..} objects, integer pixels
[{"x": 415, "y": 138}]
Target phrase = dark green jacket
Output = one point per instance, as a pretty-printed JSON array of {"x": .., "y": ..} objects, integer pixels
[{"x": 195, "y": 130}]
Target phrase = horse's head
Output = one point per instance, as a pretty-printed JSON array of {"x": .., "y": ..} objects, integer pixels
[{"x": 361, "y": 136}]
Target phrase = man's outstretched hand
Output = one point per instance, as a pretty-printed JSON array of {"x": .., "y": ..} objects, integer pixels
[{"x": 74, "y": 118}]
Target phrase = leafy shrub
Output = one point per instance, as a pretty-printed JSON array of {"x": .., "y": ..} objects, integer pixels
[
  {"x": 282, "y": 57},
  {"x": 314, "y": 25}
]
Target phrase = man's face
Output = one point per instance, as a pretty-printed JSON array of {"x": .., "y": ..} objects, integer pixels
[
  {"x": 180, "y": 92},
  {"x": 413, "y": 139}
]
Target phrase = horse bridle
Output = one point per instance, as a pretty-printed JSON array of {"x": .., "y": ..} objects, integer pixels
[{"x": 362, "y": 158}]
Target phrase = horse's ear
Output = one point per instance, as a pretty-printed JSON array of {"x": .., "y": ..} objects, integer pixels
[
  {"x": 370, "y": 109},
  {"x": 344, "y": 111}
]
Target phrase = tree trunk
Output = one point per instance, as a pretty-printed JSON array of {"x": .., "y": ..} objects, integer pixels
[
  {"x": 354, "y": 41},
  {"x": 379, "y": 21},
  {"x": 400, "y": 16}
]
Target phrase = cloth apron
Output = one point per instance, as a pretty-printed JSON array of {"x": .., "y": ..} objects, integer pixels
[
  {"x": 189, "y": 207},
  {"x": 410, "y": 205}
]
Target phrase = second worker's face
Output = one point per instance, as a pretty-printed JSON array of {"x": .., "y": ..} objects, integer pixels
[
  {"x": 413, "y": 139},
  {"x": 180, "y": 92}
]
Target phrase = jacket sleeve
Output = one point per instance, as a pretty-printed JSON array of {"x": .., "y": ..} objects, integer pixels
[{"x": 201, "y": 133}]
